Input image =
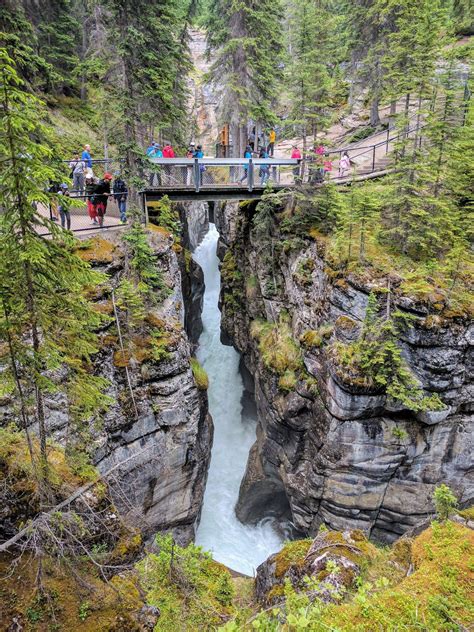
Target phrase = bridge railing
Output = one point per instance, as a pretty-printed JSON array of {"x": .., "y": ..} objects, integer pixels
[
  {"x": 202, "y": 173},
  {"x": 365, "y": 159}
]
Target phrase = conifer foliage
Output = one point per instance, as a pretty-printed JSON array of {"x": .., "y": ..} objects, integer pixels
[
  {"x": 245, "y": 39},
  {"x": 44, "y": 315}
]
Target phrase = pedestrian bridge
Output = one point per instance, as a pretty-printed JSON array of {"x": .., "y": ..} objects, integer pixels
[{"x": 213, "y": 179}]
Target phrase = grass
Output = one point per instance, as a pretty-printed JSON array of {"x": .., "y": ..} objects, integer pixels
[
  {"x": 200, "y": 376},
  {"x": 279, "y": 351},
  {"x": 191, "y": 590}
]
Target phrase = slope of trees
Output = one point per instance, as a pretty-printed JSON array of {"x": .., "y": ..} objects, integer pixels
[{"x": 245, "y": 39}]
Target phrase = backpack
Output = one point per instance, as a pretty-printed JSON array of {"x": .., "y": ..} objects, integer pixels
[{"x": 120, "y": 186}]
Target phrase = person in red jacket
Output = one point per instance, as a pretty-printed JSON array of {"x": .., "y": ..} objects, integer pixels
[
  {"x": 168, "y": 151},
  {"x": 296, "y": 155}
]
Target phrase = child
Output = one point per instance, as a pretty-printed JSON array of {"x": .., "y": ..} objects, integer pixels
[
  {"x": 344, "y": 164},
  {"x": 327, "y": 166}
]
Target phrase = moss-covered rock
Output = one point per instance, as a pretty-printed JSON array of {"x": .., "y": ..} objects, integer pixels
[{"x": 325, "y": 566}]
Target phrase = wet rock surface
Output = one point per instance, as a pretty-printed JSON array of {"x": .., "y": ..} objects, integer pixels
[{"x": 343, "y": 455}]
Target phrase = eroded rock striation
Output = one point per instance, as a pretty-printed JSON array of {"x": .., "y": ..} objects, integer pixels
[
  {"x": 337, "y": 452},
  {"x": 156, "y": 435}
]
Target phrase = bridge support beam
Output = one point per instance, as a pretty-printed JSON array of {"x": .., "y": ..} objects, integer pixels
[{"x": 197, "y": 175}]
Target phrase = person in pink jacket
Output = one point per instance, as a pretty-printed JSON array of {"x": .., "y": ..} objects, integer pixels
[{"x": 296, "y": 155}]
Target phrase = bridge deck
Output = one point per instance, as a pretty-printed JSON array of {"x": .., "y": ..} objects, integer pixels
[{"x": 209, "y": 193}]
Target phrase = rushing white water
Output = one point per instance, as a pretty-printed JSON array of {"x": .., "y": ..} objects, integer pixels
[{"x": 241, "y": 547}]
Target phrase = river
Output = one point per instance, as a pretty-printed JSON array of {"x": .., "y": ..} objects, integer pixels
[{"x": 240, "y": 547}]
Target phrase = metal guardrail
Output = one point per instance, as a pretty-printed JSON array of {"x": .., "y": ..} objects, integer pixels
[{"x": 201, "y": 173}]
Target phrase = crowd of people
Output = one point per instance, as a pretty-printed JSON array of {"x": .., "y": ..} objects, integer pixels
[{"x": 98, "y": 192}]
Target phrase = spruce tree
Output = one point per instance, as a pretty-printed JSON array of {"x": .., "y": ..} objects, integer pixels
[
  {"x": 149, "y": 90},
  {"x": 245, "y": 40},
  {"x": 309, "y": 66},
  {"x": 44, "y": 314}
]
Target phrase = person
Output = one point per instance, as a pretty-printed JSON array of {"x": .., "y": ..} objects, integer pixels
[
  {"x": 248, "y": 155},
  {"x": 154, "y": 151},
  {"x": 200, "y": 154},
  {"x": 53, "y": 204},
  {"x": 120, "y": 194},
  {"x": 327, "y": 166},
  {"x": 189, "y": 169},
  {"x": 320, "y": 150},
  {"x": 251, "y": 139},
  {"x": 72, "y": 165},
  {"x": 271, "y": 142},
  {"x": 63, "y": 208},
  {"x": 90, "y": 188},
  {"x": 150, "y": 152},
  {"x": 296, "y": 155},
  {"x": 101, "y": 197},
  {"x": 86, "y": 156},
  {"x": 344, "y": 164},
  {"x": 264, "y": 172},
  {"x": 168, "y": 151},
  {"x": 78, "y": 176}
]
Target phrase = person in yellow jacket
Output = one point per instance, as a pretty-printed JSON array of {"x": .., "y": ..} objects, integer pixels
[{"x": 271, "y": 142}]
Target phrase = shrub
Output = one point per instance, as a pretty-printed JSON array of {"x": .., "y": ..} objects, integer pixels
[
  {"x": 191, "y": 590},
  {"x": 445, "y": 501},
  {"x": 375, "y": 361}
]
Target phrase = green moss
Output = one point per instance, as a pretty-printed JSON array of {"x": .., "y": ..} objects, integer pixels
[
  {"x": 200, "y": 375},
  {"x": 468, "y": 514},
  {"x": 96, "y": 250},
  {"x": 292, "y": 554},
  {"x": 311, "y": 338},
  {"x": 288, "y": 381},
  {"x": 436, "y": 594}
]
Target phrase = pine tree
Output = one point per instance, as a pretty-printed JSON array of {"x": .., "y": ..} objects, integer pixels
[
  {"x": 308, "y": 70},
  {"x": 368, "y": 28},
  {"x": 245, "y": 39},
  {"x": 149, "y": 91},
  {"x": 44, "y": 315}
]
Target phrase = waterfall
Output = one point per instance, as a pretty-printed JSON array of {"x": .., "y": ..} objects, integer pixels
[{"x": 241, "y": 547}]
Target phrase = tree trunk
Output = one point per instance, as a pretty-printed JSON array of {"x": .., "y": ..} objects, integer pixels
[
  {"x": 374, "y": 111},
  {"x": 83, "y": 92}
]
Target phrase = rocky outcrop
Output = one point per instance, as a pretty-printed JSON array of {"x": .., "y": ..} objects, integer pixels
[
  {"x": 339, "y": 453},
  {"x": 156, "y": 435},
  {"x": 332, "y": 560}
]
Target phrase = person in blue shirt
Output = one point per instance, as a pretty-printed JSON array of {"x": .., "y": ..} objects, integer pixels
[
  {"x": 264, "y": 169},
  {"x": 200, "y": 154},
  {"x": 154, "y": 151},
  {"x": 86, "y": 156},
  {"x": 247, "y": 154}
]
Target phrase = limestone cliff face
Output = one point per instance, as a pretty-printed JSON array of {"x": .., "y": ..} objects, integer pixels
[
  {"x": 336, "y": 453},
  {"x": 161, "y": 447}
]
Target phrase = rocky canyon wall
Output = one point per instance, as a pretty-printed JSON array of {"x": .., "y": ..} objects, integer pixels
[
  {"x": 156, "y": 434},
  {"x": 337, "y": 453}
]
